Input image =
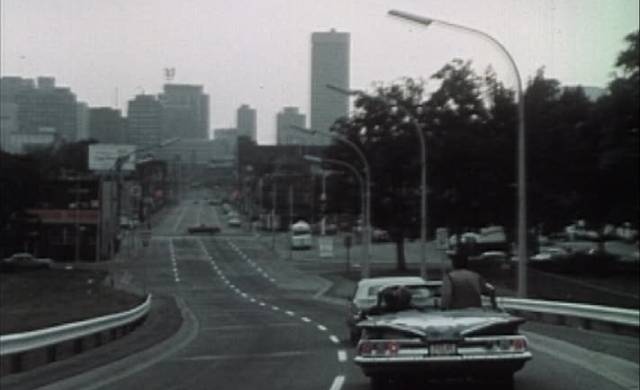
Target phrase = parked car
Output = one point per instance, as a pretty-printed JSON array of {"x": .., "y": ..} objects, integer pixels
[
  {"x": 24, "y": 261},
  {"x": 379, "y": 235},
  {"x": 234, "y": 221},
  {"x": 366, "y": 296},
  {"x": 203, "y": 228},
  {"x": 405, "y": 342}
]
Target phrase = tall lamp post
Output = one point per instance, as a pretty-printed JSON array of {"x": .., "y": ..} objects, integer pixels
[
  {"x": 521, "y": 162},
  {"x": 423, "y": 181},
  {"x": 367, "y": 177}
]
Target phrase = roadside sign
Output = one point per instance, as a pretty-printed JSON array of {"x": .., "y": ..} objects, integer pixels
[
  {"x": 135, "y": 190},
  {"x": 103, "y": 157},
  {"x": 325, "y": 246},
  {"x": 442, "y": 238},
  {"x": 145, "y": 236}
]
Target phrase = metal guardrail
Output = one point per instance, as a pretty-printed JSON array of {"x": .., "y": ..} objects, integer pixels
[
  {"x": 618, "y": 316},
  {"x": 27, "y": 341}
]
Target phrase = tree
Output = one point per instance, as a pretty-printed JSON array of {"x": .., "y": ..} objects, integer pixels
[
  {"x": 617, "y": 118},
  {"x": 459, "y": 142}
]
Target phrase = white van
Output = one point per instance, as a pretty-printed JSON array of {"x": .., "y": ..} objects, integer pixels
[{"x": 301, "y": 235}]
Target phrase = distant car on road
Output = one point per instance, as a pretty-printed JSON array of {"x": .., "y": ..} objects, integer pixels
[
  {"x": 24, "y": 261},
  {"x": 203, "y": 228},
  {"x": 366, "y": 296},
  {"x": 234, "y": 221},
  {"x": 301, "y": 235}
]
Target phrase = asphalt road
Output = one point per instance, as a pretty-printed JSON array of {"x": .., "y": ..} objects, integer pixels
[{"x": 252, "y": 322}]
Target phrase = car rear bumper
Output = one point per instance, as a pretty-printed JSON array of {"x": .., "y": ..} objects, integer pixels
[{"x": 443, "y": 366}]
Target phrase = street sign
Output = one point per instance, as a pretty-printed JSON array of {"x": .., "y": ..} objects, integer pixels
[
  {"x": 325, "y": 246},
  {"x": 442, "y": 238},
  {"x": 145, "y": 236}
]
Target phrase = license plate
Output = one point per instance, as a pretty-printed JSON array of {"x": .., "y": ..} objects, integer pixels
[{"x": 442, "y": 349}]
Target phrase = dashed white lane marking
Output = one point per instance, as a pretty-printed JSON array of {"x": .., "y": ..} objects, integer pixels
[
  {"x": 174, "y": 264},
  {"x": 337, "y": 383},
  {"x": 342, "y": 354}
]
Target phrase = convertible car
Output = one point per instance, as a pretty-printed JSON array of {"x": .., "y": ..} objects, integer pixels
[{"x": 403, "y": 341}]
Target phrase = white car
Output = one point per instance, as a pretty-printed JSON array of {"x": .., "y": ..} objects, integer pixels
[
  {"x": 234, "y": 222},
  {"x": 366, "y": 296},
  {"x": 24, "y": 260}
]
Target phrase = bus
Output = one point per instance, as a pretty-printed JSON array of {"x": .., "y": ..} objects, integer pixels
[{"x": 301, "y": 235}]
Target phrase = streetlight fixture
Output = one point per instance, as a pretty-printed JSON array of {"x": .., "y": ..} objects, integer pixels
[
  {"x": 367, "y": 179},
  {"x": 361, "y": 183},
  {"x": 521, "y": 161},
  {"x": 423, "y": 180},
  {"x": 120, "y": 161}
]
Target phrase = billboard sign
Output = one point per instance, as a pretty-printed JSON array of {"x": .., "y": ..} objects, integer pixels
[{"x": 102, "y": 157}]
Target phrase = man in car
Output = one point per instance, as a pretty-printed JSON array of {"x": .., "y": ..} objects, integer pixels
[{"x": 463, "y": 288}]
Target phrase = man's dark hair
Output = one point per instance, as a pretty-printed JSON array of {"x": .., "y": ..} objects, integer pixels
[{"x": 460, "y": 260}]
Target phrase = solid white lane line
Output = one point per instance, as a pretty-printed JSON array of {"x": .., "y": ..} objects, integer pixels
[
  {"x": 322, "y": 328},
  {"x": 335, "y": 339},
  {"x": 337, "y": 383},
  {"x": 342, "y": 356}
]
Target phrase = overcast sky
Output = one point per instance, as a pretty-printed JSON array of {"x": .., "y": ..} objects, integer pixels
[{"x": 258, "y": 51}]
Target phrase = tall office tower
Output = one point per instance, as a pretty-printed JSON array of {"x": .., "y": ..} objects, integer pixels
[
  {"x": 329, "y": 65},
  {"x": 285, "y": 134},
  {"x": 145, "y": 121},
  {"x": 185, "y": 111},
  {"x": 47, "y": 109},
  {"x": 246, "y": 122},
  {"x": 107, "y": 125},
  {"x": 82, "y": 121}
]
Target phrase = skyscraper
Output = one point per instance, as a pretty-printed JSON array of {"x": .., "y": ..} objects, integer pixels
[
  {"x": 145, "y": 120},
  {"x": 185, "y": 111},
  {"x": 107, "y": 125},
  {"x": 285, "y": 134},
  {"x": 246, "y": 122},
  {"x": 47, "y": 109},
  {"x": 329, "y": 65}
]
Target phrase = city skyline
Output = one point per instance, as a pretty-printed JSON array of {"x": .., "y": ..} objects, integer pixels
[{"x": 107, "y": 52}]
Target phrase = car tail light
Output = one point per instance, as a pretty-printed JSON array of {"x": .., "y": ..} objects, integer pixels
[
  {"x": 378, "y": 348},
  {"x": 365, "y": 348},
  {"x": 519, "y": 344}
]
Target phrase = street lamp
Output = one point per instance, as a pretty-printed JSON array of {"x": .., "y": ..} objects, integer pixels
[
  {"x": 361, "y": 183},
  {"x": 117, "y": 168},
  {"x": 522, "y": 193},
  {"x": 423, "y": 180},
  {"x": 367, "y": 178}
]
